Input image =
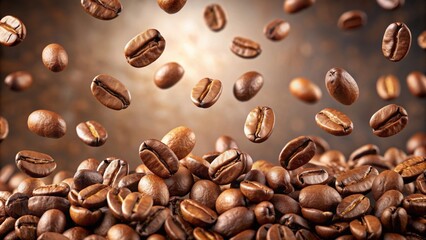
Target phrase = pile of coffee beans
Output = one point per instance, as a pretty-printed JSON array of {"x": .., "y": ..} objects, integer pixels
[{"x": 312, "y": 192}]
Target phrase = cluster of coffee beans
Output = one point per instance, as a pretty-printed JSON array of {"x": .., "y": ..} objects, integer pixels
[{"x": 314, "y": 192}]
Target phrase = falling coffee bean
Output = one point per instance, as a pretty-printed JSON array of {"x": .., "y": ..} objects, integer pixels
[
  {"x": 334, "y": 122},
  {"x": 35, "y": 164},
  {"x": 245, "y": 48},
  {"x": 12, "y": 31},
  {"x": 102, "y": 9},
  {"x": 297, "y": 153},
  {"x": 341, "y": 86},
  {"x": 276, "y": 30},
  {"x": 396, "y": 41},
  {"x": 110, "y": 92},
  {"x": 248, "y": 85},
  {"x": 54, "y": 57},
  {"x": 352, "y": 20},
  {"x": 390, "y": 4},
  {"x": 421, "y": 40},
  {"x": 215, "y": 17},
  {"x": 416, "y": 82},
  {"x": 387, "y": 87},
  {"x": 294, "y": 6},
  {"x": 159, "y": 158},
  {"x": 305, "y": 90},
  {"x": 206, "y": 92},
  {"x": 92, "y": 133},
  {"x": 145, "y": 48},
  {"x": 168, "y": 75},
  {"x": 259, "y": 124},
  {"x": 4, "y": 128},
  {"x": 171, "y": 6},
  {"x": 389, "y": 120},
  {"x": 19, "y": 80},
  {"x": 46, "y": 124}
]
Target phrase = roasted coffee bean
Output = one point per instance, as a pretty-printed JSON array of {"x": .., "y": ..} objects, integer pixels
[
  {"x": 224, "y": 143},
  {"x": 334, "y": 159},
  {"x": 390, "y": 4},
  {"x": 131, "y": 181},
  {"x": 159, "y": 158},
  {"x": 334, "y": 122},
  {"x": 396, "y": 41},
  {"x": 229, "y": 165},
  {"x": 393, "y": 236},
  {"x": 7, "y": 225},
  {"x": 297, "y": 153},
  {"x": 108, "y": 220},
  {"x": 376, "y": 161},
  {"x": 256, "y": 176},
  {"x": 284, "y": 204},
  {"x": 420, "y": 151},
  {"x": 418, "y": 225},
  {"x": 229, "y": 199},
  {"x": 177, "y": 228},
  {"x": 294, "y": 6},
  {"x": 197, "y": 166},
  {"x": 248, "y": 85},
  {"x": 353, "y": 206},
  {"x": 234, "y": 221},
  {"x": 92, "y": 133},
  {"x": 415, "y": 204},
  {"x": 416, "y": 82},
  {"x": 76, "y": 233},
  {"x": 26, "y": 227},
  {"x": 52, "y": 220},
  {"x": 352, "y": 20},
  {"x": 93, "y": 196},
  {"x": 280, "y": 232},
  {"x": 368, "y": 149},
  {"x": 60, "y": 190},
  {"x": 276, "y": 30},
  {"x": 102, "y": 9},
  {"x": 210, "y": 156},
  {"x": 55, "y": 236},
  {"x": 357, "y": 180},
  {"x": 421, "y": 183},
  {"x": 387, "y": 87},
  {"x": 294, "y": 222},
  {"x": 388, "y": 199},
  {"x": 28, "y": 185},
  {"x": 115, "y": 171},
  {"x": 204, "y": 234},
  {"x": 156, "y": 188},
  {"x": 19, "y": 80},
  {"x": 153, "y": 222},
  {"x": 12, "y": 31},
  {"x": 180, "y": 183},
  {"x": 37, "y": 205},
  {"x": 389, "y": 120},
  {"x": 215, "y": 17},
  {"x": 245, "y": 48},
  {"x": 332, "y": 231},
  {"x": 411, "y": 168},
  {"x": 181, "y": 140},
  {"x": 144, "y": 48},
  {"x": 197, "y": 214},
  {"x": 46, "y": 124},
  {"x": 278, "y": 179},
  {"x": 264, "y": 212},
  {"x": 136, "y": 206},
  {"x": 205, "y": 192},
  {"x": 171, "y": 6},
  {"x": 305, "y": 90},
  {"x": 394, "y": 219},
  {"x": 256, "y": 192},
  {"x": 386, "y": 180},
  {"x": 83, "y": 216},
  {"x": 259, "y": 124},
  {"x": 115, "y": 198},
  {"x": 394, "y": 156},
  {"x": 170, "y": 73},
  {"x": 17, "y": 205},
  {"x": 321, "y": 197},
  {"x": 84, "y": 178},
  {"x": 246, "y": 234},
  {"x": 262, "y": 231},
  {"x": 415, "y": 141},
  {"x": 317, "y": 216},
  {"x": 35, "y": 164},
  {"x": 206, "y": 92},
  {"x": 4, "y": 128},
  {"x": 421, "y": 40},
  {"x": 311, "y": 176},
  {"x": 90, "y": 164},
  {"x": 122, "y": 231},
  {"x": 341, "y": 86},
  {"x": 110, "y": 92},
  {"x": 54, "y": 57},
  {"x": 368, "y": 227}
]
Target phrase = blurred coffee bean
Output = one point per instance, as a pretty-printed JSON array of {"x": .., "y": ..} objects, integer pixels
[
  {"x": 421, "y": 40},
  {"x": 294, "y": 6},
  {"x": 416, "y": 82},
  {"x": 248, "y": 85},
  {"x": 19, "y": 80},
  {"x": 171, "y": 6},
  {"x": 276, "y": 30},
  {"x": 215, "y": 17},
  {"x": 305, "y": 90},
  {"x": 390, "y": 4},
  {"x": 168, "y": 74},
  {"x": 352, "y": 19},
  {"x": 387, "y": 87},
  {"x": 4, "y": 128}
]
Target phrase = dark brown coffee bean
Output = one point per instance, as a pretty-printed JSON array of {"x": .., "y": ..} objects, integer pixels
[
  {"x": 229, "y": 165},
  {"x": 411, "y": 168},
  {"x": 83, "y": 216},
  {"x": 4, "y": 128},
  {"x": 180, "y": 183},
  {"x": 110, "y": 92},
  {"x": 17, "y": 205},
  {"x": 297, "y": 153},
  {"x": 278, "y": 179},
  {"x": 259, "y": 124},
  {"x": 156, "y": 188},
  {"x": 352, "y": 20},
  {"x": 122, "y": 231},
  {"x": 108, "y": 220},
  {"x": 256, "y": 192},
  {"x": 35, "y": 164},
  {"x": 54, "y": 57},
  {"x": 369, "y": 226},
  {"x": 262, "y": 231},
  {"x": 206, "y": 192},
  {"x": 234, "y": 221},
  {"x": 215, "y": 17},
  {"x": 368, "y": 149},
  {"x": 280, "y": 232},
  {"x": 92, "y": 133},
  {"x": 46, "y": 124},
  {"x": 19, "y": 81},
  {"x": 416, "y": 82},
  {"x": 115, "y": 171},
  {"x": 159, "y": 158},
  {"x": 76, "y": 233},
  {"x": 386, "y": 180},
  {"x": 388, "y": 87},
  {"x": 415, "y": 141},
  {"x": 332, "y": 231},
  {"x": 248, "y": 85},
  {"x": 421, "y": 183},
  {"x": 317, "y": 216},
  {"x": 229, "y": 199},
  {"x": 206, "y": 92},
  {"x": 26, "y": 227},
  {"x": 170, "y": 73},
  {"x": 153, "y": 222},
  {"x": 320, "y": 197},
  {"x": 353, "y": 206},
  {"x": 311, "y": 176},
  {"x": 389, "y": 120},
  {"x": 394, "y": 219},
  {"x": 115, "y": 198},
  {"x": 415, "y": 204},
  {"x": 197, "y": 214},
  {"x": 84, "y": 178},
  {"x": 131, "y": 181},
  {"x": 136, "y": 206},
  {"x": 245, "y": 48},
  {"x": 37, "y": 205},
  {"x": 294, "y": 6},
  {"x": 305, "y": 90},
  {"x": 204, "y": 234},
  {"x": 264, "y": 212},
  {"x": 197, "y": 166},
  {"x": 181, "y": 140},
  {"x": 52, "y": 220},
  {"x": 390, "y": 4},
  {"x": 177, "y": 228},
  {"x": 396, "y": 41},
  {"x": 90, "y": 164},
  {"x": 334, "y": 122},
  {"x": 294, "y": 222},
  {"x": 12, "y": 31},
  {"x": 388, "y": 199},
  {"x": 357, "y": 180},
  {"x": 224, "y": 143},
  {"x": 60, "y": 190},
  {"x": 341, "y": 86},
  {"x": 144, "y": 48},
  {"x": 7, "y": 225},
  {"x": 305, "y": 234},
  {"x": 276, "y": 30},
  {"x": 28, "y": 185},
  {"x": 284, "y": 204},
  {"x": 393, "y": 236},
  {"x": 94, "y": 196},
  {"x": 246, "y": 234},
  {"x": 171, "y": 6},
  {"x": 102, "y": 9}
]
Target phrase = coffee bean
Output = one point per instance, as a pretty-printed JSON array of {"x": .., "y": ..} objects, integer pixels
[
  {"x": 12, "y": 31},
  {"x": 35, "y": 164},
  {"x": 341, "y": 86},
  {"x": 52, "y": 220},
  {"x": 230, "y": 199},
  {"x": 334, "y": 122},
  {"x": 159, "y": 158},
  {"x": 416, "y": 82},
  {"x": 421, "y": 183},
  {"x": 245, "y": 48},
  {"x": 110, "y": 92},
  {"x": 264, "y": 212},
  {"x": 93, "y": 196},
  {"x": 246, "y": 234},
  {"x": 84, "y": 217},
  {"x": 177, "y": 228},
  {"x": 115, "y": 198},
  {"x": 92, "y": 133},
  {"x": 259, "y": 124},
  {"x": 396, "y": 41},
  {"x": 46, "y": 124},
  {"x": 421, "y": 40},
  {"x": 26, "y": 227},
  {"x": 317, "y": 216},
  {"x": 215, "y": 17},
  {"x": 389, "y": 120},
  {"x": 76, "y": 233},
  {"x": 115, "y": 171},
  {"x": 204, "y": 234},
  {"x": 156, "y": 188},
  {"x": 367, "y": 149},
  {"x": 171, "y": 6},
  {"x": 280, "y": 232},
  {"x": 19, "y": 80},
  {"x": 353, "y": 206},
  {"x": 85, "y": 178},
  {"x": 103, "y": 9},
  {"x": 102, "y": 166},
  {"x": 278, "y": 179},
  {"x": 387, "y": 180},
  {"x": 390, "y": 4},
  {"x": 131, "y": 181},
  {"x": 394, "y": 219},
  {"x": 368, "y": 226},
  {"x": 17, "y": 205},
  {"x": 4, "y": 128},
  {"x": 206, "y": 92},
  {"x": 180, "y": 183},
  {"x": 229, "y": 165},
  {"x": 305, "y": 90},
  {"x": 53, "y": 235},
  {"x": 205, "y": 192},
  {"x": 311, "y": 176},
  {"x": 197, "y": 166},
  {"x": 234, "y": 221},
  {"x": 320, "y": 197},
  {"x": 297, "y": 153},
  {"x": 357, "y": 180},
  {"x": 197, "y": 214},
  {"x": 332, "y": 231},
  {"x": 136, "y": 206},
  {"x": 388, "y": 199},
  {"x": 256, "y": 192},
  {"x": 294, "y": 222},
  {"x": 387, "y": 87},
  {"x": 415, "y": 204},
  {"x": 144, "y": 48},
  {"x": 153, "y": 222},
  {"x": 60, "y": 190},
  {"x": 294, "y": 6},
  {"x": 248, "y": 85},
  {"x": 276, "y": 30},
  {"x": 352, "y": 20},
  {"x": 54, "y": 57},
  {"x": 415, "y": 141},
  {"x": 181, "y": 140},
  {"x": 122, "y": 231},
  {"x": 37, "y": 205},
  {"x": 262, "y": 231},
  {"x": 168, "y": 74}
]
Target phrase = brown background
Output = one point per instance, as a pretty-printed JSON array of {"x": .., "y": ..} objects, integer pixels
[{"x": 314, "y": 45}]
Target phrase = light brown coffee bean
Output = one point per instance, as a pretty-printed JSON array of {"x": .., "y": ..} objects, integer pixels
[
  {"x": 334, "y": 122},
  {"x": 171, "y": 6},
  {"x": 92, "y": 133},
  {"x": 416, "y": 82},
  {"x": 352, "y": 20},
  {"x": 389, "y": 120},
  {"x": 12, "y": 31},
  {"x": 215, "y": 17},
  {"x": 305, "y": 90},
  {"x": 387, "y": 87},
  {"x": 341, "y": 86},
  {"x": 19, "y": 80},
  {"x": 54, "y": 57},
  {"x": 259, "y": 124},
  {"x": 245, "y": 48},
  {"x": 47, "y": 124},
  {"x": 276, "y": 30},
  {"x": 206, "y": 92},
  {"x": 4, "y": 128},
  {"x": 35, "y": 164},
  {"x": 421, "y": 40},
  {"x": 158, "y": 158},
  {"x": 181, "y": 140},
  {"x": 168, "y": 75},
  {"x": 390, "y": 4},
  {"x": 248, "y": 85},
  {"x": 294, "y": 6},
  {"x": 144, "y": 48},
  {"x": 102, "y": 9}
]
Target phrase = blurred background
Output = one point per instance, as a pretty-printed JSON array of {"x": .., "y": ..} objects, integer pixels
[{"x": 315, "y": 44}]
